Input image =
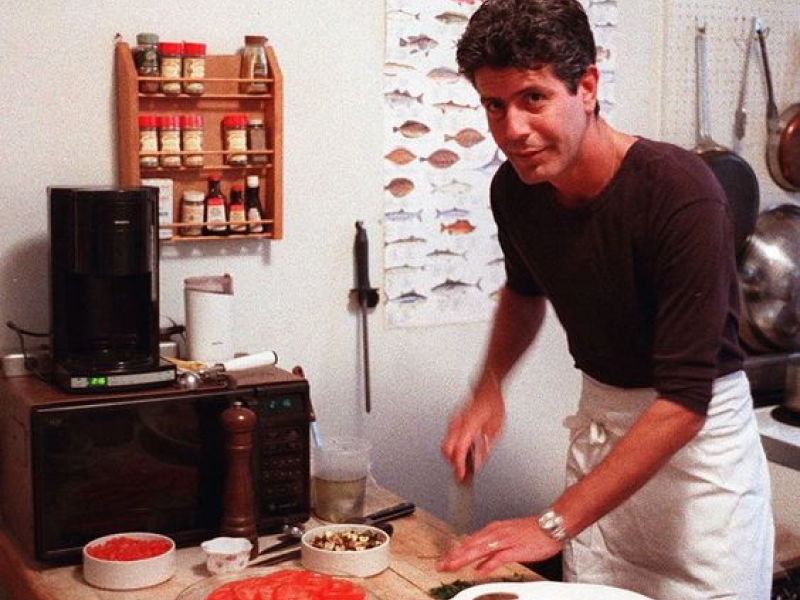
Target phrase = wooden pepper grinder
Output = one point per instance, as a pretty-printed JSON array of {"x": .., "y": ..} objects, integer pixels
[{"x": 238, "y": 506}]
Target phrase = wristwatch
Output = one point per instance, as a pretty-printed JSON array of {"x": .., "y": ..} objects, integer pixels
[{"x": 552, "y": 524}]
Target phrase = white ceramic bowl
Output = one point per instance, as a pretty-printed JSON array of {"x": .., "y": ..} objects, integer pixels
[
  {"x": 128, "y": 574},
  {"x": 225, "y": 555},
  {"x": 345, "y": 563}
]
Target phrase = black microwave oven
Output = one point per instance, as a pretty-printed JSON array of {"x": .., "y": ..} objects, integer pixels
[{"x": 73, "y": 468}]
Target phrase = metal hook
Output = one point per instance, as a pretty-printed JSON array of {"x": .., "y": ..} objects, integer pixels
[{"x": 699, "y": 29}]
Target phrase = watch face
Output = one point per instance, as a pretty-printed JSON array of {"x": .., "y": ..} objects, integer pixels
[{"x": 553, "y": 525}]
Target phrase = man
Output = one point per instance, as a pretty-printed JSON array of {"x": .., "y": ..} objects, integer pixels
[{"x": 631, "y": 241}]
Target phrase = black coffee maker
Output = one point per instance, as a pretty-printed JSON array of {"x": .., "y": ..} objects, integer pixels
[{"x": 104, "y": 307}]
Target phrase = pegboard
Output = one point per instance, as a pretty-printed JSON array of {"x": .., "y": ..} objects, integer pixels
[{"x": 728, "y": 24}]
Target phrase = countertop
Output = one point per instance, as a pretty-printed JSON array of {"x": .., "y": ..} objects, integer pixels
[
  {"x": 781, "y": 441},
  {"x": 417, "y": 543},
  {"x": 782, "y": 446}
]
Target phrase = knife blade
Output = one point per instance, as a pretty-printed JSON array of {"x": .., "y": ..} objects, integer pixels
[
  {"x": 278, "y": 559},
  {"x": 462, "y": 497}
]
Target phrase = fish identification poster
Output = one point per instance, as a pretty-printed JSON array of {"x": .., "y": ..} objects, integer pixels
[{"x": 442, "y": 261}]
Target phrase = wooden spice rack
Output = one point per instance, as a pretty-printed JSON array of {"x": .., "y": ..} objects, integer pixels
[{"x": 221, "y": 97}]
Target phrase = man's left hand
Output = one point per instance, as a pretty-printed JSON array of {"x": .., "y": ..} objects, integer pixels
[{"x": 500, "y": 543}]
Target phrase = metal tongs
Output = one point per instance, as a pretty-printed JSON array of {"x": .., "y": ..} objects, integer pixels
[{"x": 191, "y": 374}]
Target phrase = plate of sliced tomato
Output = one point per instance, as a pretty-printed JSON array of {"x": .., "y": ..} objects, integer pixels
[{"x": 286, "y": 584}]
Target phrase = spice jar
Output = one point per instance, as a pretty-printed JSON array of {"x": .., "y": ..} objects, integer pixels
[
  {"x": 254, "y": 65},
  {"x": 256, "y": 141},
  {"x": 235, "y": 134},
  {"x": 192, "y": 210},
  {"x": 169, "y": 129},
  {"x": 148, "y": 141},
  {"x": 145, "y": 57},
  {"x": 192, "y": 139},
  {"x": 194, "y": 67},
  {"x": 170, "y": 56}
]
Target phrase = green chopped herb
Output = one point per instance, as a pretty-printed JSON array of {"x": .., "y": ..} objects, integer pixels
[{"x": 449, "y": 590}]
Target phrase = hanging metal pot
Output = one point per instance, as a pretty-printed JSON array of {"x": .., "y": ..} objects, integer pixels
[{"x": 770, "y": 282}]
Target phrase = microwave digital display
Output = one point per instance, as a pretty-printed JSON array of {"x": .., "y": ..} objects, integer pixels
[{"x": 158, "y": 464}]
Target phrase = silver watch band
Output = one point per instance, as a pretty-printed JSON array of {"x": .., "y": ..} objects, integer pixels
[{"x": 552, "y": 524}]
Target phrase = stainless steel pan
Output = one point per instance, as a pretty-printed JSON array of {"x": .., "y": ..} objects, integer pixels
[
  {"x": 734, "y": 173},
  {"x": 770, "y": 282}
]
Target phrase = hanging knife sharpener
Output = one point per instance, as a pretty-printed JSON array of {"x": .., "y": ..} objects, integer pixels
[{"x": 367, "y": 297}]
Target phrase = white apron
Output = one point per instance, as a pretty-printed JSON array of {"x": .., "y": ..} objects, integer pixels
[{"x": 701, "y": 528}]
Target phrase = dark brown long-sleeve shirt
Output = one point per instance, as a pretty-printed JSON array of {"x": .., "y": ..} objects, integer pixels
[{"x": 642, "y": 278}]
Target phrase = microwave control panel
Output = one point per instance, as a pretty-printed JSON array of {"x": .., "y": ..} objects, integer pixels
[{"x": 283, "y": 456}]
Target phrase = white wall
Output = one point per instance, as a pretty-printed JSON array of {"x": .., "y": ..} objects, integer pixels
[{"x": 56, "y": 98}]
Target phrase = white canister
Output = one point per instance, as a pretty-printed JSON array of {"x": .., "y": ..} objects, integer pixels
[{"x": 209, "y": 325}]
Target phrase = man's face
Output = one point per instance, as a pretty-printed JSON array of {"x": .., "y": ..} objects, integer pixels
[{"x": 535, "y": 120}]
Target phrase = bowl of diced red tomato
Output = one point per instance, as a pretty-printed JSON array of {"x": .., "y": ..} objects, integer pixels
[
  {"x": 129, "y": 561},
  {"x": 285, "y": 584}
]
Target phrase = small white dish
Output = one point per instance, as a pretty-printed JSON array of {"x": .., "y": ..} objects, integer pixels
[
  {"x": 345, "y": 563},
  {"x": 225, "y": 555},
  {"x": 112, "y": 574}
]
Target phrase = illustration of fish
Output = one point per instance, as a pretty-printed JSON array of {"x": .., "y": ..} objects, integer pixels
[
  {"x": 448, "y": 286},
  {"x": 459, "y": 227},
  {"x": 496, "y": 262},
  {"x": 447, "y": 253},
  {"x": 442, "y": 158},
  {"x": 404, "y": 215},
  {"x": 466, "y": 138},
  {"x": 406, "y": 268},
  {"x": 400, "y": 156},
  {"x": 398, "y": 98},
  {"x": 453, "y": 213},
  {"x": 452, "y": 188},
  {"x": 419, "y": 43},
  {"x": 493, "y": 164},
  {"x": 412, "y": 129},
  {"x": 399, "y": 187},
  {"x": 411, "y": 297},
  {"x": 451, "y": 18},
  {"x": 393, "y": 69},
  {"x": 444, "y": 75},
  {"x": 412, "y": 239},
  {"x": 402, "y": 15},
  {"x": 450, "y": 105}
]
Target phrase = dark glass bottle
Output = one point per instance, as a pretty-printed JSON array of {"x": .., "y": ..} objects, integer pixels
[
  {"x": 252, "y": 205},
  {"x": 236, "y": 212},
  {"x": 216, "y": 209}
]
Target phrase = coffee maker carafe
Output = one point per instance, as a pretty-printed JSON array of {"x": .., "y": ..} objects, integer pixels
[{"x": 104, "y": 289}]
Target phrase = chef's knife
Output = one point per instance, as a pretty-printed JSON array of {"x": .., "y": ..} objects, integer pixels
[{"x": 462, "y": 497}]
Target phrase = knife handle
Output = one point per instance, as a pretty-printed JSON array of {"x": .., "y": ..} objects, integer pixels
[{"x": 393, "y": 512}]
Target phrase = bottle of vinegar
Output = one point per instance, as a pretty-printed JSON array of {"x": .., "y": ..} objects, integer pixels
[
  {"x": 253, "y": 205},
  {"x": 236, "y": 212},
  {"x": 216, "y": 210}
]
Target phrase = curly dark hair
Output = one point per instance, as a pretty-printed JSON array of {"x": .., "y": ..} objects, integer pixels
[{"x": 529, "y": 34}]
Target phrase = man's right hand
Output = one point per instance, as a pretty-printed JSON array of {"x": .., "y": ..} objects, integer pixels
[{"x": 477, "y": 424}]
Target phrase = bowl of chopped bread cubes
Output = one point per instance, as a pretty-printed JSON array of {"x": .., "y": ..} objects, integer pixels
[{"x": 346, "y": 550}]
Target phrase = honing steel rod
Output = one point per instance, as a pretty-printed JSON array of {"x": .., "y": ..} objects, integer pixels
[{"x": 367, "y": 298}]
